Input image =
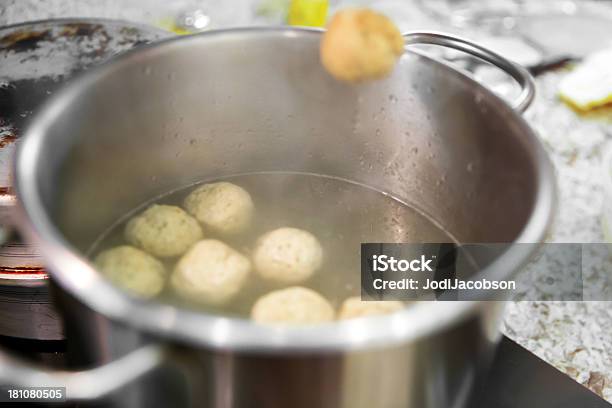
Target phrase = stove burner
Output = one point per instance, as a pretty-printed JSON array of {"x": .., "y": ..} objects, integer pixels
[{"x": 37, "y": 59}]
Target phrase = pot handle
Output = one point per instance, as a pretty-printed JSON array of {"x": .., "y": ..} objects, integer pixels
[
  {"x": 88, "y": 384},
  {"x": 517, "y": 72}
]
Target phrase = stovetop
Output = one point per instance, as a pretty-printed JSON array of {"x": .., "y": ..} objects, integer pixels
[{"x": 519, "y": 379}]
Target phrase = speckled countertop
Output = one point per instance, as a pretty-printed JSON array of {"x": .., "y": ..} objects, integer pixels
[{"x": 575, "y": 337}]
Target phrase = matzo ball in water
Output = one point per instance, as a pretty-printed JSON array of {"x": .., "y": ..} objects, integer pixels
[
  {"x": 211, "y": 273},
  {"x": 354, "y": 307},
  {"x": 295, "y": 305},
  {"x": 222, "y": 207},
  {"x": 163, "y": 230},
  {"x": 287, "y": 255},
  {"x": 133, "y": 270}
]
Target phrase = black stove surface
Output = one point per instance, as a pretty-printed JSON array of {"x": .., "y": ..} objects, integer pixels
[{"x": 519, "y": 379}]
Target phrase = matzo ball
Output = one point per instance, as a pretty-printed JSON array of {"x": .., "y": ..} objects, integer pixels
[
  {"x": 294, "y": 305},
  {"x": 360, "y": 44},
  {"x": 287, "y": 255},
  {"x": 355, "y": 307},
  {"x": 133, "y": 270},
  {"x": 163, "y": 230},
  {"x": 224, "y": 208},
  {"x": 210, "y": 273}
]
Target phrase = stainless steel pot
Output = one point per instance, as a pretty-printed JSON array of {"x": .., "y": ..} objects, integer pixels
[{"x": 248, "y": 100}]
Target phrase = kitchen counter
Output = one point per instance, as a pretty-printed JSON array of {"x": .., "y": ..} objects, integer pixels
[{"x": 575, "y": 337}]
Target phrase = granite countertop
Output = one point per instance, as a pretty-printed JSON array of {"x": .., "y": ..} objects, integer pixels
[{"x": 575, "y": 337}]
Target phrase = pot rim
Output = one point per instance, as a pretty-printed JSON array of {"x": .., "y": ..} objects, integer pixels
[{"x": 78, "y": 276}]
